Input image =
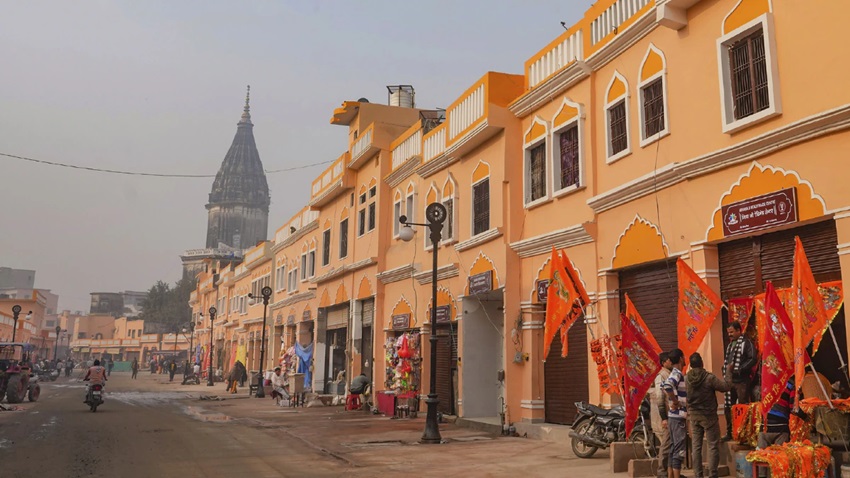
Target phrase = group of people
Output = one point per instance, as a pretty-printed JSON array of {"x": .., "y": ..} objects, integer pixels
[{"x": 679, "y": 400}]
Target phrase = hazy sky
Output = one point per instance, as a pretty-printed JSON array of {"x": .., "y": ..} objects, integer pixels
[{"x": 158, "y": 86}]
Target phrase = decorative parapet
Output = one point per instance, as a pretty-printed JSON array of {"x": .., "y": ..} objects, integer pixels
[
  {"x": 332, "y": 182},
  {"x": 479, "y": 239},
  {"x": 293, "y": 299},
  {"x": 407, "y": 146},
  {"x": 560, "y": 239},
  {"x": 304, "y": 218},
  {"x": 443, "y": 272},
  {"x": 561, "y": 53},
  {"x": 398, "y": 274}
]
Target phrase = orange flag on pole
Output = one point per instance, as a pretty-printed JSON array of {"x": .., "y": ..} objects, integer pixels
[
  {"x": 698, "y": 308},
  {"x": 573, "y": 275},
  {"x": 638, "y": 325},
  {"x": 777, "y": 349},
  {"x": 805, "y": 305},
  {"x": 560, "y": 297},
  {"x": 639, "y": 366}
]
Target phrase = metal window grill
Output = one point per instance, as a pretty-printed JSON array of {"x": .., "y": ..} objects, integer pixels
[
  {"x": 371, "y": 216},
  {"x": 481, "y": 207},
  {"x": 569, "y": 157},
  {"x": 343, "y": 238},
  {"x": 747, "y": 60},
  {"x": 448, "y": 225},
  {"x": 617, "y": 127},
  {"x": 361, "y": 227},
  {"x": 326, "y": 248},
  {"x": 653, "y": 108},
  {"x": 538, "y": 171}
]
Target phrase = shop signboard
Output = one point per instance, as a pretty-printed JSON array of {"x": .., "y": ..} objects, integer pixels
[
  {"x": 401, "y": 321},
  {"x": 444, "y": 313},
  {"x": 479, "y": 283},
  {"x": 760, "y": 212},
  {"x": 542, "y": 290}
]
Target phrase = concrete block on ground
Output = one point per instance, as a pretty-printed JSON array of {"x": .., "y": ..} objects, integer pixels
[
  {"x": 643, "y": 467},
  {"x": 622, "y": 453}
]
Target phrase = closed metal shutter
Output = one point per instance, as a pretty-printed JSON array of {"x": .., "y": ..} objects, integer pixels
[
  {"x": 337, "y": 318},
  {"x": 368, "y": 312},
  {"x": 654, "y": 290},
  {"x": 565, "y": 378},
  {"x": 737, "y": 269},
  {"x": 366, "y": 358},
  {"x": 446, "y": 368}
]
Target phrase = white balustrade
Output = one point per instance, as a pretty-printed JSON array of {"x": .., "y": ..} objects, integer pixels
[
  {"x": 614, "y": 16},
  {"x": 470, "y": 110},
  {"x": 408, "y": 148},
  {"x": 435, "y": 144},
  {"x": 561, "y": 55},
  {"x": 362, "y": 144}
]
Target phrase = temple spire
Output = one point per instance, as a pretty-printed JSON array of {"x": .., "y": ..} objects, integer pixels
[{"x": 246, "y": 112}]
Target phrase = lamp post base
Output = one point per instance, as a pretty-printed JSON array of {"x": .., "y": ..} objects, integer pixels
[
  {"x": 260, "y": 392},
  {"x": 431, "y": 435}
]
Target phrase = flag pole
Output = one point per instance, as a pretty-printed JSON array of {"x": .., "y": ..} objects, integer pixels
[
  {"x": 843, "y": 367},
  {"x": 820, "y": 384}
]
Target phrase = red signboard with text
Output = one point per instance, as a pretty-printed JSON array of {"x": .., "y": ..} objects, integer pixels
[{"x": 760, "y": 212}]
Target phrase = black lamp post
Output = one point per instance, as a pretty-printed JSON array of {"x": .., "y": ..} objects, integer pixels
[
  {"x": 212, "y": 319},
  {"x": 266, "y": 292},
  {"x": 16, "y": 311},
  {"x": 435, "y": 213},
  {"x": 56, "y": 345},
  {"x": 191, "y": 341}
]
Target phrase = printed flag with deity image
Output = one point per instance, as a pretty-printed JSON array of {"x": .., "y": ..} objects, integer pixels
[
  {"x": 833, "y": 299},
  {"x": 560, "y": 301},
  {"x": 808, "y": 316},
  {"x": 639, "y": 367},
  {"x": 603, "y": 356},
  {"x": 777, "y": 363},
  {"x": 698, "y": 308},
  {"x": 637, "y": 323},
  {"x": 740, "y": 310}
]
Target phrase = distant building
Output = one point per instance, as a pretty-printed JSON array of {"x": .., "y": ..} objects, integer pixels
[
  {"x": 107, "y": 303},
  {"x": 16, "y": 278}
]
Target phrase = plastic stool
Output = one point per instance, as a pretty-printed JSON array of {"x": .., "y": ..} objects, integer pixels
[{"x": 352, "y": 402}]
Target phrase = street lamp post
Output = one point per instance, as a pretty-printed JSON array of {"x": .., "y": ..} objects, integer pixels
[
  {"x": 16, "y": 311},
  {"x": 266, "y": 292},
  {"x": 56, "y": 346},
  {"x": 212, "y": 319},
  {"x": 191, "y": 340},
  {"x": 435, "y": 213}
]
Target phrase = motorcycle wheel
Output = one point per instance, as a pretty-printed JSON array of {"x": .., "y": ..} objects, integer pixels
[
  {"x": 15, "y": 391},
  {"x": 34, "y": 393},
  {"x": 640, "y": 441},
  {"x": 581, "y": 449},
  {"x": 94, "y": 407}
]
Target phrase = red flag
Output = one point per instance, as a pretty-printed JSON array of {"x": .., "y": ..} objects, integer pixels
[
  {"x": 639, "y": 325},
  {"x": 833, "y": 299},
  {"x": 560, "y": 297},
  {"x": 639, "y": 367},
  {"x": 777, "y": 349},
  {"x": 698, "y": 308},
  {"x": 740, "y": 310},
  {"x": 806, "y": 307}
]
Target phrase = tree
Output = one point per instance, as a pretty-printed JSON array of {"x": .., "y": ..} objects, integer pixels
[{"x": 166, "y": 306}]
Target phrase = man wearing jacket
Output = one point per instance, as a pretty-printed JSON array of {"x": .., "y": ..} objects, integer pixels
[
  {"x": 658, "y": 402},
  {"x": 702, "y": 412},
  {"x": 741, "y": 357}
]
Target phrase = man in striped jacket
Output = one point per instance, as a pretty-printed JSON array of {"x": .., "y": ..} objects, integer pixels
[{"x": 676, "y": 390}]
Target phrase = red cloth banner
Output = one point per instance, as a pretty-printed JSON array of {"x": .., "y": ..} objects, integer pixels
[
  {"x": 740, "y": 310},
  {"x": 807, "y": 311},
  {"x": 777, "y": 363},
  {"x": 639, "y": 368},
  {"x": 560, "y": 303},
  {"x": 600, "y": 350},
  {"x": 833, "y": 299},
  {"x": 698, "y": 308},
  {"x": 637, "y": 323}
]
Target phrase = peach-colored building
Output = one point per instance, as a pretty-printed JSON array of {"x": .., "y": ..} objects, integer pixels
[{"x": 646, "y": 132}]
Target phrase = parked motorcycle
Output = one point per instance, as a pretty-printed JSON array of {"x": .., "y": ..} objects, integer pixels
[
  {"x": 596, "y": 428},
  {"x": 48, "y": 375},
  {"x": 94, "y": 396}
]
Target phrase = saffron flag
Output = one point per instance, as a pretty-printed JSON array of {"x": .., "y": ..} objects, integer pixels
[
  {"x": 639, "y": 367},
  {"x": 698, "y": 308},
  {"x": 637, "y": 323},
  {"x": 740, "y": 310},
  {"x": 833, "y": 298},
  {"x": 561, "y": 296},
  {"x": 808, "y": 316},
  {"x": 573, "y": 275},
  {"x": 777, "y": 349},
  {"x": 603, "y": 356}
]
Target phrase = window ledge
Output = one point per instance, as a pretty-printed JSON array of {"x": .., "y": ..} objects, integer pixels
[
  {"x": 569, "y": 190},
  {"x": 479, "y": 239},
  {"x": 753, "y": 119},
  {"x": 622, "y": 154},
  {"x": 538, "y": 202},
  {"x": 656, "y": 137}
]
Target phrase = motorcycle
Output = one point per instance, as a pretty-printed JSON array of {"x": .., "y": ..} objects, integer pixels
[
  {"x": 48, "y": 375},
  {"x": 94, "y": 396},
  {"x": 595, "y": 428}
]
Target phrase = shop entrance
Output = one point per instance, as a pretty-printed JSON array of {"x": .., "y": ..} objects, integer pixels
[
  {"x": 654, "y": 290},
  {"x": 483, "y": 354},
  {"x": 447, "y": 368},
  {"x": 565, "y": 378},
  {"x": 336, "y": 329},
  {"x": 366, "y": 340}
]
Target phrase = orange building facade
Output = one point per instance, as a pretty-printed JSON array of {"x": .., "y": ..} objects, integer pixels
[{"x": 646, "y": 132}]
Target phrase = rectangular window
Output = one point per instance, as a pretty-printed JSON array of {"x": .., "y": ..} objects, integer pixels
[
  {"x": 343, "y": 238},
  {"x": 303, "y": 266},
  {"x": 311, "y": 262},
  {"x": 481, "y": 207},
  {"x": 371, "y": 216},
  {"x": 396, "y": 218},
  {"x": 749, "y": 75},
  {"x": 372, "y": 191},
  {"x": 410, "y": 211},
  {"x": 363, "y": 198},
  {"x": 326, "y": 247},
  {"x": 361, "y": 222},
  {"x": 617, "y": 128},
  {"x": 537, "y": 172},
  {"x": 568, "y": 158},
  {"x": 449, "y": 224},
  {"x": 653, "y": 108}
]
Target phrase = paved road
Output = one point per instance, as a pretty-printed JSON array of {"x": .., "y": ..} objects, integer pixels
[{"x": 153, "y": 428}]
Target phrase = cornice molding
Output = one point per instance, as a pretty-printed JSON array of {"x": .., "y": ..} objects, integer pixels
[
  {"x": 560, "y": 239},
  {"x": 356, "y": 266},
  {"x": 623, "y": 41},
  {"x": 443, "y": 272},
  {"x": 467, "y": 137},
  {"x": 436, "y": 165},
  {"x": 310, "y": 227},
  {"x": 806, "y": 129},
  {"x": 398, "y": 274},
  {"x": 554, "y": 86},
  {"x": 293, "y": 299},
  {"x": 404, "y": 171},
  {"x": 330, "y": 275},
  {"x": 479, "y": 239},
  {"x": 328, "y": 194},
  {"x": 252, "y": 321}
]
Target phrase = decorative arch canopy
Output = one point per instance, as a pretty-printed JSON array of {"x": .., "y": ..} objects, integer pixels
[
  {"x": 483, "y": 264},
  {"x": 639, "y": 243},
  {"x": 365, "y": 289},
  {"x": 653, "y": 63},
  {"x": 341, "y": 294},
  {"x": 617, "y": 88},
  {"x": 744, "y": 12},
  {"x": 481, "y": 171}
]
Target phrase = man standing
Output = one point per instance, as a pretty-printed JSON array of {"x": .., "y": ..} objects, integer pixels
[
  {"x": 111, "y": 363},
  {"x": 658, "y": 403},
  {"x": 172, "y": 369},
  {"x": 741, "y": 356},
  {"x": 676, "y": 391},
  {"x": 702, "y": 412},
  {"x": 134, "y": 367}
]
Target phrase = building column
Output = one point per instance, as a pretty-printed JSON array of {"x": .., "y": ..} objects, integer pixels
[
  {"x": 532, "y": 404},
  {"x": 607, "y": 318},
  {"x": 842, "y": 226}
]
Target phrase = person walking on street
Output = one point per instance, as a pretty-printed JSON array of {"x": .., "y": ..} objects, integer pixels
[
  {"x": 172, "y": 369},
  {"x": 134, "y": 367},
  {"x": 702, "y": 388},
  {"x": 153, "y": 366},
  {"x": 676, "y": 391},
  {"x": 69, "y": 365},
  {"x": 741, "y": 355},
  {"x": 111, "y": 364},
  {"x": 658, "y": 403}
]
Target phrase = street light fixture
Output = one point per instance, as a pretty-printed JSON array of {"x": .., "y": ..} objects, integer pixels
[
  {"x": 16, "y": 311},
  {"x": 266, "y": 292},
  {"x": 435, "y": 213},
  {"x": 212, "y": 312}
]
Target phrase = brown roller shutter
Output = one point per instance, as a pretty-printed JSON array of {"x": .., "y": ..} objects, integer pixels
[
  {"x": 565, "y": 379},
  {"x": 368, "y": 312},
  {"x": 737, "y": 269},
  {"x": 446, "y": 368},
  {"x": 337, "y": 317},
  {"x": 654, "y": 291}
]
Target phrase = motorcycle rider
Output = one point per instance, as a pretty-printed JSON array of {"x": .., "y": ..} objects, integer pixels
[{"x": 96, "y": 375}]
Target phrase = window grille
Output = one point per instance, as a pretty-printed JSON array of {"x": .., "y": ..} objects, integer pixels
[
  {"x": 653, "y": 108},
  {"x": 343, "y": 238},
  {"x": 371, "y": 216},
  {"x": 569, "y": 157},
  {"x": 748, "y": 64},
  {"x": 326, "y": 248},
  {"x": 617, "y": 128},
  {"x": 537, "y": 165},
  {"x": 449, "y": 225},
  {"x": 481, "y": 207}
]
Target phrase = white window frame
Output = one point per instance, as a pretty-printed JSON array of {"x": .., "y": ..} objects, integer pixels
[
  {"x": 454, "y": 216},
  {"x": 577, "y": 122},
  {"x": 410, "y": 202},
  {"x": 728, "y": 122},
  {"x": 347, "y": 237},
  {"x": 526, "y": 164},
  {"x": 625, "y": 97},
  {"x": 397, "y": 214},
  {"x": 311, "y": 262},
  {"x": 472, "y": 232},
  {"x": 362, "y": 217},
  {"x": 303, "y": 266},
  {"x": 665, "y": 130},
  {"x": 370, "y": 226},
  {"x": 329, "y": 245}
]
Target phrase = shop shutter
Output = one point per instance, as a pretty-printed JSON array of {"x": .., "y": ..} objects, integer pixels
[
  {"x": 737, "y": 269},
  {"x": 338, "y": 317},
  {"x": 565, "y": 378},
  {"x": 820, "y": 240},
  {"x": 366, "y": 359},
  {"x": 446, "y": 368},
  {"x": 368, "y": 312},
  {"x": 654, "y": 291}
]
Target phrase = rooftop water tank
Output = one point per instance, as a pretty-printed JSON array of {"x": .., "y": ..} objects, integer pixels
[{"x": 401, "y": 95}]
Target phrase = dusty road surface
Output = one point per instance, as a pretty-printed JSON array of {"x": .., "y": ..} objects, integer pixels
[{"x": 152, "y": 428}]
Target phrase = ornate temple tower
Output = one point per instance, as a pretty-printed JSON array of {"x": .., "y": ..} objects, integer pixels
[{"x": 238, "y": 208}]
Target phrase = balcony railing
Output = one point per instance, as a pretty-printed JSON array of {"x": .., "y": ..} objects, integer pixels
[
  {"x": 614, "y": 16},
  {"x": 257, "y": 253},
  {"x": 565, "y": 50},
  {"x": 306, "y": 216},
  {"x": 330, "y": 179},
  {"x": 435, "y": 143},
  {"x": 363, "y": 143},
  {"x": 408, "y": 148},
  {"x": 467, "y": 112}
]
